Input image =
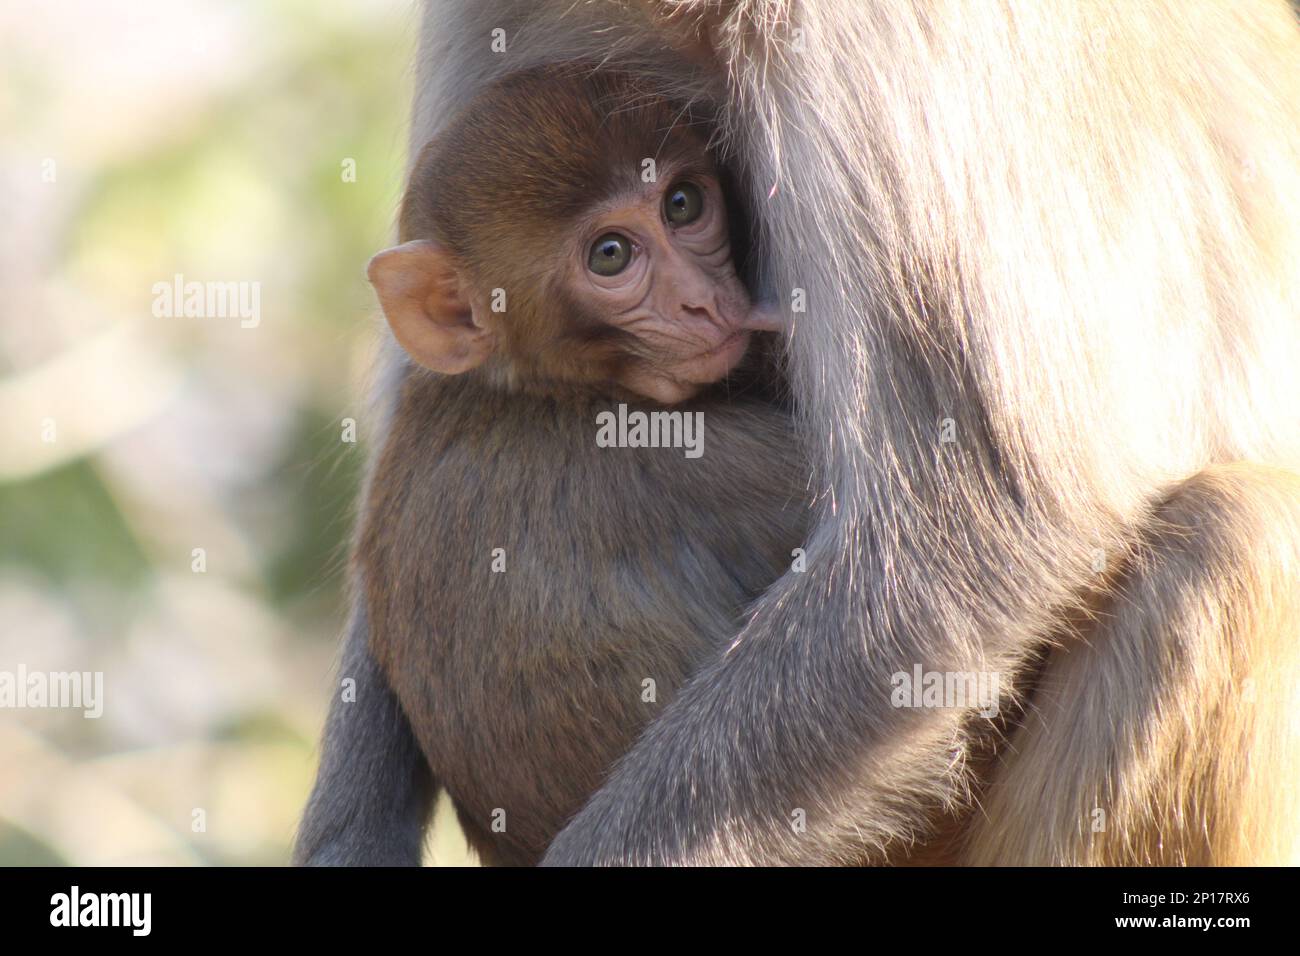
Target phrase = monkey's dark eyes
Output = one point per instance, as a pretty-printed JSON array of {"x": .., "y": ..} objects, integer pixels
[
  {"x": 683, "y": 204},
  {"x": 609, "y": 255}
]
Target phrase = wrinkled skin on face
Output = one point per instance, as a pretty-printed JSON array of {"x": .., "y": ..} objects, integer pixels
[{"x": 673, "y": 285}]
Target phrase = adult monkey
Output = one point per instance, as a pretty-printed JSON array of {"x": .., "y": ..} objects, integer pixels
[{"x": 1072, "y": 230}]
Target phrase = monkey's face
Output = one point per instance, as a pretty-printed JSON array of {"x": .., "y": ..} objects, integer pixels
[
  {"x": 641, "y": 297},
  {"x": 656, "y": 264}
]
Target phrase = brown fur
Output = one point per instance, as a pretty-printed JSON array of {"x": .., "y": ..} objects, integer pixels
[
  {"x": 622, "y": 564},
  {"x": 1174, "y": 713}
]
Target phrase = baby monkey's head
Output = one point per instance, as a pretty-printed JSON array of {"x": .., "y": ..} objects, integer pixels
[{"x": 541, "y": 246}]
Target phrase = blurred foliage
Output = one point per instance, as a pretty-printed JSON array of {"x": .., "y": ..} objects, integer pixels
[
  {"x": 207, "y": 139},
  {"x": 66, "y": 525},
  {"x": 322, "y": 484},
  {"x": 22, "y": 848}
]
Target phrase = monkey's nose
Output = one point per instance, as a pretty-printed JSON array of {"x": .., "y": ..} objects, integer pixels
[{"x": 701, "y": 313}]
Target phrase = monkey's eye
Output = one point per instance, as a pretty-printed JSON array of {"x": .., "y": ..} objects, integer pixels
[
  {"x": 683, "y": 204},
  {"x": 609, "y": 254}
]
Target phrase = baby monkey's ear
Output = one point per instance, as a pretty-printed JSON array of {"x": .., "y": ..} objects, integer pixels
[{"x": 428, "y": 307}]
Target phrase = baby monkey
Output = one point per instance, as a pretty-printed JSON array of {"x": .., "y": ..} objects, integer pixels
[{"x": 534, "y": 600}]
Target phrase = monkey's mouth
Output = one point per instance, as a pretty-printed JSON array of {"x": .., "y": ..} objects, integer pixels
[
  {"x": 725, "y": 343},
  {"x": 714, "y": 363}
]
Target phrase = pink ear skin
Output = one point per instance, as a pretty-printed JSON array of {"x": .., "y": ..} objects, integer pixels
[{"x": 425, "y": 302}]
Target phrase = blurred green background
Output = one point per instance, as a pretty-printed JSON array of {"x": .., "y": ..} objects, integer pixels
[{"x": 140, "y": 139}]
